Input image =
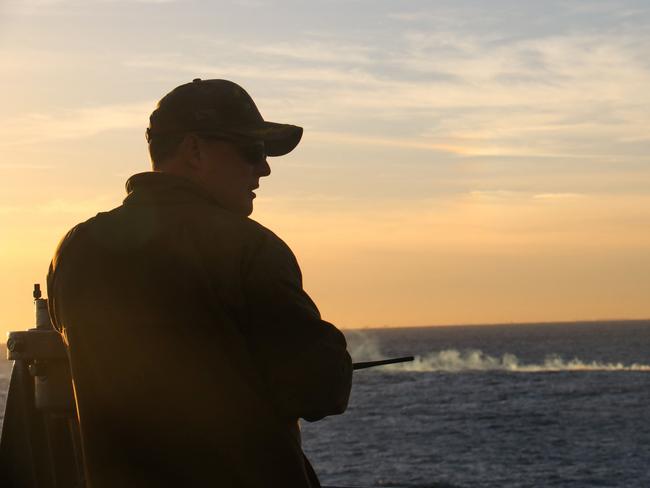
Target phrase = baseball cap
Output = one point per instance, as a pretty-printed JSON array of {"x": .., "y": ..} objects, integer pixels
[{"x": 219, "y": 107}]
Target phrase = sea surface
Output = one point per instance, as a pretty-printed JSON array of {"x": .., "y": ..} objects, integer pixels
[
  {"x": 562, "y": 405},
  {"x": 549, "y": 405}
]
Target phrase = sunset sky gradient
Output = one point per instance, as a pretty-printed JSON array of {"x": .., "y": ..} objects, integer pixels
[{"x": 463, "y": 161}]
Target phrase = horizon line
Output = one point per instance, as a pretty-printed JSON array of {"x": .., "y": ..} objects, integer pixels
[
  {"x": 485, "y": 324},
  {"x": 501, "y": 324}
]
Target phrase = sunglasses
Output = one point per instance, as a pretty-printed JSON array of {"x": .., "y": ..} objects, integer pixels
[{"x": 253, "y": 152}]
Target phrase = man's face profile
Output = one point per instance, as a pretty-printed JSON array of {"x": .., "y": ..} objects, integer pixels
[{"x": 231, "y": 172}]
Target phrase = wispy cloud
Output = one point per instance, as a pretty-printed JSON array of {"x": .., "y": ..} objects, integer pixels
[
  {"x": 543, "y": 95},
  {"x": 59, "y": 206},
  {"x": 73, "y": 124},
  {"x": 345, "y": 138},
  {"x": 445, "y": 81},
  {"x": 317, "y": 52},
  {"x": 33, "y": 4},
  {"x": 557, "y": 196},
  {"x": 24, "y": 166},
  {"x": 502, "y": 221}
]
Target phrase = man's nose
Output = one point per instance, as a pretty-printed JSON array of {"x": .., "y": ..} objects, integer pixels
[{"x": 263, "y": 168}]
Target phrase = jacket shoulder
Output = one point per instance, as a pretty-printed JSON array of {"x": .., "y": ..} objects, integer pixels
[
  {"x": 72, "y": 235},
  {"x": 259, "y": 237}
]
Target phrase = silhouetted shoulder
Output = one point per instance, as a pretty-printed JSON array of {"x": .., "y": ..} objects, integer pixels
[{"x": 73, "y": 234}]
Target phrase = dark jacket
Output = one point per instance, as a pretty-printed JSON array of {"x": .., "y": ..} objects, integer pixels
[{"x": 194, "y": 349}]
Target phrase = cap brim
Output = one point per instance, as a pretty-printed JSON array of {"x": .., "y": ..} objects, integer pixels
[{"x": 279, "y": 139}]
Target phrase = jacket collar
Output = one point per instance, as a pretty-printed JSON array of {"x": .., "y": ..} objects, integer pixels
[{"x": 158, "y": 187}]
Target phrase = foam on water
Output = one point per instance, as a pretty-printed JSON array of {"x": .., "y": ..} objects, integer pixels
[
  {"x": 501, "y": 406},
  {"x": 455, "y": 361}
]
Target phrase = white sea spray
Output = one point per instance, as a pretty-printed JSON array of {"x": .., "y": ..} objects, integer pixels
[
  {"x": 363, "y": 346},
  {"x": 454, "y": 361}
]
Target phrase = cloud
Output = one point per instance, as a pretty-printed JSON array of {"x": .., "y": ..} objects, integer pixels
[
  {"x": 503, "y": 222},
  {"x": 563, "y": 97},
  {"x": 557, "y": 196},
  {"x": 317, "y": 52},
  {"x": 24, "y": 166},
  {"x": 11, "y": 209},
  {"x": 607, "y": 8},
  {"x": 36, "y": 3},
  {"x": 73, "y": 124},
  {"x": 577, "y": 94},
  {"x": 258, "y": 71},
  {"x": 249, "y": 3},
  {"x": 60, "y": 206},
  {"x": 434, "y": 83},
  {"x": 57, "y": 206},
  {"x": 68, "y": 8},
  {"x": 344, "y": 138},
  {"x": 28, "y": 5},
  {"x": 524, "y": 198}
]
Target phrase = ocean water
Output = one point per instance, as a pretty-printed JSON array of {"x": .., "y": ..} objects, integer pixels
[
  {"x": 550, "y": 405},
  {"x": 496, "y": 406}
]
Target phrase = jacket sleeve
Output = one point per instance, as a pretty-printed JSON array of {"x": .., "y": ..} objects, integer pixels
[{"x": 303, "y": 358}]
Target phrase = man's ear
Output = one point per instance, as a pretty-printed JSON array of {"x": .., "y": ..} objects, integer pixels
[{"x": 190, "y": 148}]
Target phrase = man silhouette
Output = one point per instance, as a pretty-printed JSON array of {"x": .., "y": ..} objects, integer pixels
[{"x": 194, "y": 349}]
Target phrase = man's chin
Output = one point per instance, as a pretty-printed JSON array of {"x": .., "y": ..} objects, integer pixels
[
  {"x": 246, "y": 210},
  {"x": 239, "y": 208}
]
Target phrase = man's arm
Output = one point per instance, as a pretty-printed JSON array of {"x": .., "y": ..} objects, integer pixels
[{"x": 303, "y": 358}]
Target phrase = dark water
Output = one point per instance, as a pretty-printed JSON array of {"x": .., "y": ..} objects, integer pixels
[
  {"x": 498, "y": 406},
  {"x": 513, "y": 406}
]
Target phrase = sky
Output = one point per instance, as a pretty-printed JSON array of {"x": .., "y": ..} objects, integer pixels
[{"x": 463, "y": 162}]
